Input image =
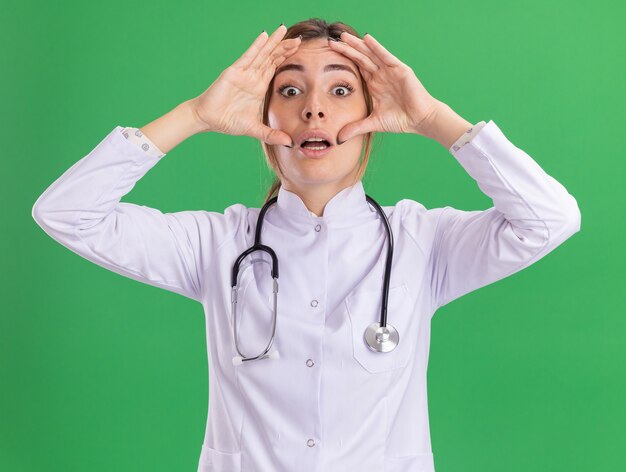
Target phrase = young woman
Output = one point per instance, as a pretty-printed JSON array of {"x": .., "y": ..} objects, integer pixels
[{"x": 329, "y": 372}]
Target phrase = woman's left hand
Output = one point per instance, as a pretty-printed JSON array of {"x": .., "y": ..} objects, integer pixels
[{"x": 401, "y": 104}]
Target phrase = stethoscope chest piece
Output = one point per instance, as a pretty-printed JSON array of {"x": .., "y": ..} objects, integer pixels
[{"x": 381, "y": 339}]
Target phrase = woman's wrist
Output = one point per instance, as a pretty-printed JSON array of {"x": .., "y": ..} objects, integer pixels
[
  {"x": 446, "y": 126},
  {"x": 169, "y": 130}
]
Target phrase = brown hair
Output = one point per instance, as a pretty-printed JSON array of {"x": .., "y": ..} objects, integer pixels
[{"x": 310, "y": 29}]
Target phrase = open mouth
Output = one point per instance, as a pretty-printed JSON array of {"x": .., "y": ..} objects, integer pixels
[{"x": 315, "y": 144}]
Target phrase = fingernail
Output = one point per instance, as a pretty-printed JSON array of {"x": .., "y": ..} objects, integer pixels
[
  {"x": 339, "y": 142},
  {"x": 281, "y": 25},
  {"x": 290, "y": 147}
]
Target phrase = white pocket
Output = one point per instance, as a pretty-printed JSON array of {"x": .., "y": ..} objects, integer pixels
[
  {"x": 364, "y": 309},
  {"x": 212, "y": 460},
  {"x": 417, "y": 462}
]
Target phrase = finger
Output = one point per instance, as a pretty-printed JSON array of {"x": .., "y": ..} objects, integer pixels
[
  {"x": 385, "y": 56},
  {"x": 247, "y": 57},
  {"x": 358, "y": 44},
  {"x": 272, "y": 136},
  {"x": 269, "y": 46},
  {"x": 363, "y": 61},
  {"x": 356, "y": 128},
  {"x": 286, "y": 48},
  {"x": 278, "y": 60}
]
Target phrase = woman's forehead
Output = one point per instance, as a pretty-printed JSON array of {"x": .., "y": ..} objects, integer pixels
[
  {"x": 315, "y": 54},
  {"x": 317, "y": 50}
]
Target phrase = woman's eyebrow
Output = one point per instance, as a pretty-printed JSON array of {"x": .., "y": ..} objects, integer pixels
[{"x": 327, "y": 68}]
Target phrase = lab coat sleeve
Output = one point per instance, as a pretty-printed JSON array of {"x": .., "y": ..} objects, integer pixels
[
  {"x": 532, "y": 214},
  {"x": 82, "y": 211},
  {"x": 135, "y": 135},
  {"x": 467, "y": 136}
]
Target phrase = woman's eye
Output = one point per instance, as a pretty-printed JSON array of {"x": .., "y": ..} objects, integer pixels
[
  {"x": 344, "y": 85},
  {"x": 284, "y": 87}
]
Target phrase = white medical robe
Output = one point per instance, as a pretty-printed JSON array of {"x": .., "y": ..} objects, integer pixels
[{"x": 328, "y": 403}]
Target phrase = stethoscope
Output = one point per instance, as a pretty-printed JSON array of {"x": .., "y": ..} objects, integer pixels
[{"x": 379, "y": 336}]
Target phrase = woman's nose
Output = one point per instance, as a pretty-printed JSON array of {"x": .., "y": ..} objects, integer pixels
[
  {"x": 317, "y": 112},
  {"x": 314, "y": 106}
]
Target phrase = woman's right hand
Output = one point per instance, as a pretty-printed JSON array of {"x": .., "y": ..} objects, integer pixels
[{"x": 233, "y": 103}]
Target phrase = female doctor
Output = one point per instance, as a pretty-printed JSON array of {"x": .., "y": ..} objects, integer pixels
[{"x": 318, "y": 339}]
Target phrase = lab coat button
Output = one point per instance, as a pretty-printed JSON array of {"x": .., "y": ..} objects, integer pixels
[
  {"x": 310, "y": 442},
  {"x": 313, "y": 303},
  {"x": 318, "y": 227},
  {"x": 310, "y": 362}
]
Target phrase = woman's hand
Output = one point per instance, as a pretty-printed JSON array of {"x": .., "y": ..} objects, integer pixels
[
  {"x": 401, "y": 104},
  {"x": 233, "y": 103}
]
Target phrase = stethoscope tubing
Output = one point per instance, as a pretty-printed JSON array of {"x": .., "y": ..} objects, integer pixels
[{"x": 376, "y": 331}]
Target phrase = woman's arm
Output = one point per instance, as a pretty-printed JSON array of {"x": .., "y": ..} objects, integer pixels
[
  {"x": 82, "y": 211},
  {"x": 532, "y": 215}
]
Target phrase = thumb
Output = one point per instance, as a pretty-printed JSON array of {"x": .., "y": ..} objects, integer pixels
[
  {"x": 356, "y": 128},
  {"x": 273, "y": 136}
]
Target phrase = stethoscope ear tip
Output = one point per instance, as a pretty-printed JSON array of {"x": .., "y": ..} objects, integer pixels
[
  {"x": 238, "y": 360},
  {"x": 274, "y": 355}
]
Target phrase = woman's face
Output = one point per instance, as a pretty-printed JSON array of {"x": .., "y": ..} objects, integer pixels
[{"x": 314, "y": 98}]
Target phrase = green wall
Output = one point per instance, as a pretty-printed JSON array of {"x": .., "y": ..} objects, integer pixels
[{"x": 103, "y": 373}]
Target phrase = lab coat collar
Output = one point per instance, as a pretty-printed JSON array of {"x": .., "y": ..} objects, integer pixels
[{"x": 347, "y": 207}]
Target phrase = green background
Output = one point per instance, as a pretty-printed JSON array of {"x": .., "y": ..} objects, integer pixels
[{"x": 102, "y": 373}]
